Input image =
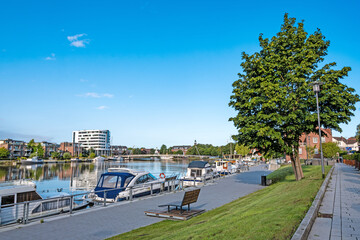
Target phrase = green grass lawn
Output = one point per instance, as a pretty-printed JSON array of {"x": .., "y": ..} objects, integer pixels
[{"x": 271, "y": 213}]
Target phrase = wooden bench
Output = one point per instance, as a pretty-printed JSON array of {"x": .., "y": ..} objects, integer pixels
[{"x": 189, "y": 198}]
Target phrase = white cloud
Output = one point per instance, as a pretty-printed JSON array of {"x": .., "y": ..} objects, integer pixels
[
  {"x": 83, "y": 80},
  {"x": 51, "y": 58},
  {"x": 96, "y": 95},
  {"x": 75, "y": 37},
  {"x": 108, "y": 95},
  {"x": 79, "y": 43},
  {"x": 102, "y": 107},
  {"x": 76, "y": 42}
]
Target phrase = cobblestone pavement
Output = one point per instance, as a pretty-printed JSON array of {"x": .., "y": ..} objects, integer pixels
[
  {"x": 122, "y": 217},
  {"x": 339, "y": 214}
]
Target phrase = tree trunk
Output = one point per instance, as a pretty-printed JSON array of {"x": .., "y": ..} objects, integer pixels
[
  {"x": 295, "y": 162},
  {"x": 297, "y": 159}
]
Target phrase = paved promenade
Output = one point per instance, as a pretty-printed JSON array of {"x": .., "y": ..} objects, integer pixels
[
  {"x": 122, "y": 217},
  {"x": 339, "y": 214}
]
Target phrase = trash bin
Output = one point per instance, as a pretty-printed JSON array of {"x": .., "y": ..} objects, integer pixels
[{"x": 263, "y": 180}]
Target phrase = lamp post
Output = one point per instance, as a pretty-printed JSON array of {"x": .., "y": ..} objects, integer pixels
[{"x": 316, "y": 88}]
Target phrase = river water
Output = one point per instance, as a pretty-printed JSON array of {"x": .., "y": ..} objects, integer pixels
[{"x": 73, "y": 178}]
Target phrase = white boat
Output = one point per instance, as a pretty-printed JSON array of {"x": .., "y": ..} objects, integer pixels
[
  {"x": 33, "y": 160},
  {"x": 75, "y": 159},
  {"x": 197, "y": 172},
  {"x": 225, "y": 167},
  {"x": 121, "y": 183},
  {"x": 99, "y": 159},
  {"x": 15, "y": 192}
]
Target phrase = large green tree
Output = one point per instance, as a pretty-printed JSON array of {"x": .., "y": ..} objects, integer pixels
[
  {"x": 273, "y": 97},
  {"x": 163, "y": 149}
]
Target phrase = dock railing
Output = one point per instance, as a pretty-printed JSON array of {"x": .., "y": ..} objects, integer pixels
[{"x": 24, "y": 212}]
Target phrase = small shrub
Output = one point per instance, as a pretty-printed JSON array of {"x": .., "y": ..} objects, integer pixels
[{"x": 280, "y": 174}]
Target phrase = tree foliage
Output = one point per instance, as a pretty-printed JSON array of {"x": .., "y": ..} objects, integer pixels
[
  {"x": 358, "y": 133},
  {"x": 4, "y": 153},
  {"x": 273, "y": 97},
  {"x": 55, "y": 155},
  {"x": 242, "y": 150},
  {"x": 330, "y": 149},
  {"x": 32, "y": 145},
  {"x": 163, "y": 149},
  {"x": 92, "y": 155},
  {"x": 66, "y": 155},
  {"x": 40, "y": 150}
]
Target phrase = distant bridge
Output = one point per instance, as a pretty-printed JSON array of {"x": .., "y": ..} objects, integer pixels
[{"x": 160, "y": 156}]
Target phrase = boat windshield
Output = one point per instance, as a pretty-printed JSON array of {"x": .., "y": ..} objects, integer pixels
[
  {"x": 127, "y": 181},
  {"x": 110, "y": 181}
]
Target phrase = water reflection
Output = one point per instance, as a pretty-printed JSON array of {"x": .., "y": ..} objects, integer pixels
[{"x": 77, "y": 177}]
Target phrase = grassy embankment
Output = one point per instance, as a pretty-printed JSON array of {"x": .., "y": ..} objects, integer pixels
[{"x": 271, "y": 213}]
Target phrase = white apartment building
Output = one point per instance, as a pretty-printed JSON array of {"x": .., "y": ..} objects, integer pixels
[{"x": 99, "y": 140}]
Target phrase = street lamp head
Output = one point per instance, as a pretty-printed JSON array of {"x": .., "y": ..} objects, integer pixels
[{"x": 316, "y": 86}]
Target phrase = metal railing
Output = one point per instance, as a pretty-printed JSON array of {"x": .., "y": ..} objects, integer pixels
[{"x": 27, "y": 211}]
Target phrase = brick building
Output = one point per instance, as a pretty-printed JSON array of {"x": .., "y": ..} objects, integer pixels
[
  {"x": 73, "y": 148},
  {"x": 49, "y": 148},
  {"x": 16, "y": 148},
  {"x": 118, "y": 150},
  {"x": 312, "y": 140}
]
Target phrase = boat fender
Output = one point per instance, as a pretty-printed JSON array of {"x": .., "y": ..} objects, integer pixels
[{"x": 162, "y": 175}]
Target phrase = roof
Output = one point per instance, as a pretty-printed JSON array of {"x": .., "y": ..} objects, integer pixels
[{"x": 198, "y": 164}]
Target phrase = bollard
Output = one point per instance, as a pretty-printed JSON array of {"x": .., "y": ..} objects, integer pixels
[
  {"x": 71, "y": 204},
  {"x": 104, "y": 198},
  {"x": 131, "y": 193},
  {"x": 194, "y": 181},
  {"x": 24, "y": 214},
  {"x": 151, "y": 189},
  {"x": 27, "y": 213}
]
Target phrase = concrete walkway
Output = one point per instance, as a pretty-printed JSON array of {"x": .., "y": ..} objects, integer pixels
[
  {"x": 114, "y": 219},
  {"x": 339, "y": 213}
]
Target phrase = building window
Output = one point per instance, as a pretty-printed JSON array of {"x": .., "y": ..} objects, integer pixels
[
  {"x": 315, "y": 140},
  {"x": 316, "y": 151},
  {"x": 300, "y": 150},
  {"x": 322, "y": 139}
]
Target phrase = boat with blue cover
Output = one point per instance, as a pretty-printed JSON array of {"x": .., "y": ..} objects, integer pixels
[{"x": 121, "y": 183}]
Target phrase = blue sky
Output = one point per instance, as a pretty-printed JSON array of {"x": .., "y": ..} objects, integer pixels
[{"x": 151, "y": 72}]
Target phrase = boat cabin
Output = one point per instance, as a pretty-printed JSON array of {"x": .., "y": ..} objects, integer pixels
[
  {"x": 198, "y": 169},
  {"x": 17, "y": 192}
]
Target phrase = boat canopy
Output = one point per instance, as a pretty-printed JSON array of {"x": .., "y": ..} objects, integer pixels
[
  {"x": 113, "y": 180},
  {"x": 199, "y": 164}
]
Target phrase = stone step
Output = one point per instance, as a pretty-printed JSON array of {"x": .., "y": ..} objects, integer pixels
[{"x": 321, "y": 229}]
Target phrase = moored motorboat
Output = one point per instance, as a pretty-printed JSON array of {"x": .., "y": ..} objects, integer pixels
[
  {"x": 225, "y": 167},
  {"x": 123, "y": 183},
  {"x": 197, "y": 172},
  {"x": 14, "y": 193},
  {"x": 33, "y": 160},
  {"x": 99, "y": 159}
]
